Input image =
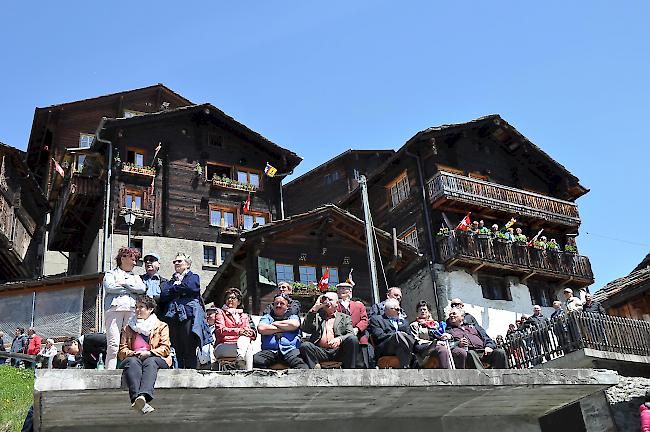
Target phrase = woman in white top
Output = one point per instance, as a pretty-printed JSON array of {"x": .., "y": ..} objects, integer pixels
[
  {"x": 121, "y": 287},
  {"x": 49, "y": 351}
]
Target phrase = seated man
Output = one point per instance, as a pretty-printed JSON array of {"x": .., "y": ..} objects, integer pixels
[
  {"x": 475, "y": 340},
  {"x": 286, "y": 289},
  {"x": 332, "y": 334},
  {"x": 458, "y": 304},
  {"x": 280, "y": 332},
  {"x": 86, "y": 351},
  {"x": 393, "y": 293},
  {"x": 392, "y": 333}
]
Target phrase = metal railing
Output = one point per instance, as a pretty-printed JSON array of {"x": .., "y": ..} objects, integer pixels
[
  {"x": 516, "y": 256},
  {"x": 575, "y": 331},
  {"x": 500, "y": 197}
]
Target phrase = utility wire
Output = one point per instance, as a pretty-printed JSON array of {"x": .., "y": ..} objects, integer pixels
[{"x": 618, "y": 240}]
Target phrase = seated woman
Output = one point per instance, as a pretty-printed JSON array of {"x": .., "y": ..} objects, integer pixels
[
  {"x": 430, "y": 337},
  {"x": 234, "y": 331},
  {"x": 144, "y": 348}
]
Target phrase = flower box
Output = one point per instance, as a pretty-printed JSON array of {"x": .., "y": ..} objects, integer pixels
[
  {"x": 146, "y": 171},
  {"x": 229, "y": 183}
]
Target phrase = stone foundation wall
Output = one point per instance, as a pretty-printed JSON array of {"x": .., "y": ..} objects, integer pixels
[{"x": 624, "y": 400}]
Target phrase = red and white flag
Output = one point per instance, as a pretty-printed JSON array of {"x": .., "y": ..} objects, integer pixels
[
  {"x": 247, "y": 204},
  {"x": 349, "y": 280},
  {"x": 464, "y": 224},
  {"x": 532, "y": 241},
  {"x": 324, "y": 282},
  {"x": 58, "y": 168}
]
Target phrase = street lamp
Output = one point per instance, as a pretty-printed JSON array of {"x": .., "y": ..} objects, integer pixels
[{"x": 129, "y": 218}]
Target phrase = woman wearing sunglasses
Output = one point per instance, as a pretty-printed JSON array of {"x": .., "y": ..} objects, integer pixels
[
  {"x": 234, "y": 331},
  {"x": 121, "y": 287}
]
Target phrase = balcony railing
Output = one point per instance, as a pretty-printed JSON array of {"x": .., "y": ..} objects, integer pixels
[
  {"x": 228, "y": 183},
  {"x": 139, "y": 213},
  {"x": 483, "y": 251},
  {"x": 511, "y": 201},
  {"x": 146, "y": 171},
  {"x": 575, "y": 331}
]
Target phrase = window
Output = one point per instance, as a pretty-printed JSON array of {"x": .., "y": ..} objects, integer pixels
[
  {"x": 79, "y": 163},
  {"x": 137, "y": 244},
  {"x": 410, "y": 237},
  {"x": 494, "y": 287},
  {"x": 224, "y": 218},
  {"x": 248, "y": 177},
  {"x": 224, "y": 254},
  {"x": 284, "y": 272},
  {"x": 541, "y": 293},
  {"x": 334, "y": 275},
  {"x": 307, "y": 274},
  {"x": 85, "y": 140},
  {"x": 135, "y": 156},
  {"x": 399, "y": 189},
  {"x": 133, "y": 199},
  {"x": 356, "y": 174},
  {"x": 131, "y": 113},
  {"x": 253, "y": 221},
  {"x": 209, "y": 255},
  {"x": 332, "y": 177},
  {"x": 213, "y": 170}
]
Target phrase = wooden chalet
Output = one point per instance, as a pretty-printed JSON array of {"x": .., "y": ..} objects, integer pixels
[
  {"x": 299, "y": 249},
  {"x": 629, "y": 296},
  {"x": 332, "y": 181},
  {"x": 23, "y": 209},
  {"x": 488, "y": 168}
]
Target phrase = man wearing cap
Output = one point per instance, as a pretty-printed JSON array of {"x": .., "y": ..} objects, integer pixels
[
  {"x": 357, "y": 312},
  {"x": 152, "y": 279},
  {"x": 285, "y": 288},
  {"x": 572, "y": 304},
  {"x": 207, "y": 360}
]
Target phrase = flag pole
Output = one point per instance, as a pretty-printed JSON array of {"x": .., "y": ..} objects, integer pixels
[{"x": 372, "y": 265}]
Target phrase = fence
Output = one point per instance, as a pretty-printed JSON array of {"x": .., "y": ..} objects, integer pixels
[
  {"x": 577, "y": 331},
  {"x": 53, "y": 313}
]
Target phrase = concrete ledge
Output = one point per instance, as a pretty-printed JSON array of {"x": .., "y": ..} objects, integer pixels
[{"x": 91, "y": 400}]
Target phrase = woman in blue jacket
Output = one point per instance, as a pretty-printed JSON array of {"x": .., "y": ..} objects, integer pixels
[{"x": 181, "y": 306}]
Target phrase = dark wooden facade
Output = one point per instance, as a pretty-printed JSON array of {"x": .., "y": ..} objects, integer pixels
[
  {"x": 487, "y": 168},
  {"x": 23, "y": 209},
  {"x": 331, "y": 181},
  {"x": 324, "y": 237},
  {"x": 60, "y": 127}
]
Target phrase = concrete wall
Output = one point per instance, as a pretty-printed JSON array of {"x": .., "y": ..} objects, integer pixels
[
  {"x": 417, "y": 287},
  {"x": 166, "y": 248},
  {"x": 624, "y": 401}
]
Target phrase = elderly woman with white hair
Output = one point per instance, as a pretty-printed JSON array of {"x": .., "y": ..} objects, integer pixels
[
  {"x": 183, "y": 312},
  {"x": 48, "y": 352}
]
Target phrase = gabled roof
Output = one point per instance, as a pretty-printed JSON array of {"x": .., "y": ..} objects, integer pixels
[
  {"x": 409, "y": 253},
  {"x": 335, "y": 159},
  {"x": 208, "y": 109},
  {"x": 151, "y": 87},
  {"x": 623, "y": 285},
  {"x": 447, "y": 129}
]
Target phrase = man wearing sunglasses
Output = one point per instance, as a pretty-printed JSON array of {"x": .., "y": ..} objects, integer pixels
[{"x": 392, "y": 333}]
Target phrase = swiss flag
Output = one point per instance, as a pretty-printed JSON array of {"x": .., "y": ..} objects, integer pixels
[
  {"x": 464, "y": 224},
  {"x": 324, "y": 282},
  {"x": 247, "y": 204}
]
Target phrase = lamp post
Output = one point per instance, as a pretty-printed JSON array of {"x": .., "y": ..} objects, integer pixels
[{"x": 129, "y": 218}]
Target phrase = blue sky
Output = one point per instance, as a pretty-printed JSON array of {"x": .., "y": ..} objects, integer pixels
[{"x": 321, "y": 77}]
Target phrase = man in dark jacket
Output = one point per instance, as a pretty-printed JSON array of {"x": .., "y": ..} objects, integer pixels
[
  {"x": 18, "y": 345},
  {"x": 475, "y": 340},
  {"x": 2, "y": 347},
  {"x": 592, "y": 306},
  {"x": 541, "y": 344},
  {"x": 332, "y": 335},
  {"x": 286, "y": 289},
  {"x": 392, "y": 333},
  {"x": 153, "y": 280},
  {"x": 469, "y": 318},
  {"x": 86, "y": 350}
]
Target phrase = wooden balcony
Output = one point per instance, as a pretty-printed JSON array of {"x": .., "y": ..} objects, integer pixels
[
  {"x": 139, "y": 213},
  {"x": 16, "y": 233},
  {"x": 462, "y": 194},
  {"x": 227, "y": 183},
  {"x": 478, "y": 252},
  {"x": 145, "y": 171},
  {"x": 75, "y": 207}
]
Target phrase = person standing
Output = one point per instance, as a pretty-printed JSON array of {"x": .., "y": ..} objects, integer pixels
[
  {"x": 359, "y": 316},
  {"x": 18, "y": 345},
  {"x": 593, "y": 306},
  {"x": 2, "y": 347},
  {"x": 152, "y": 279},
  {"x": 184, "y": 312},
  {"x": 572, "y": 303},
  {"x": 121, "y": 286},
  {"x": 33, "y": 344}
]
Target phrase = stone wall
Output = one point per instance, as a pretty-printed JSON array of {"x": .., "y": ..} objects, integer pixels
[{"x": 624, "y": 400}]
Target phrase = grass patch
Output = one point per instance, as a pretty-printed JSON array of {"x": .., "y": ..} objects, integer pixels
[{"x": 16, "y": 396}]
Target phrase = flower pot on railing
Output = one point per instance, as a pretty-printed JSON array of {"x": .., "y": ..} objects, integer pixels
[
  {"x": 131, "y": 168},
  {"x": 228, "y": 183},
  {"x": 304, "y": 290}
]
